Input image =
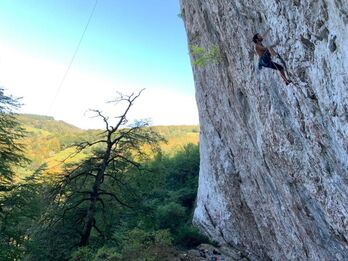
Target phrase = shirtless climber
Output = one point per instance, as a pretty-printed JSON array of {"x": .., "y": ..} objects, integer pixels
[{"x": 266, "y": 53}]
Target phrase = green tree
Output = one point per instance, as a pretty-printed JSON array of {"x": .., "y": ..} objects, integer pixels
[
  {"x": 22, "y": 208},
  {"x": 11, "y": 156},
  {"x": 204, "y": 57},
  {"x": 144, "y": 245},
  {"x": 11, "y": 134},
  {"x": 90, "y": 185}
]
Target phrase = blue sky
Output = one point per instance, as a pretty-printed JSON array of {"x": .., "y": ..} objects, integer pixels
[{"x": 129, "y": 45}]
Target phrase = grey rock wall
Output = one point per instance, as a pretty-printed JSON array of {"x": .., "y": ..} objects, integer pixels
[{"x": 274, "y": 158}]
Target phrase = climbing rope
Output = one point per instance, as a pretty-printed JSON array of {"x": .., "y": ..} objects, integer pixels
[{"x": 73, "y": 56}]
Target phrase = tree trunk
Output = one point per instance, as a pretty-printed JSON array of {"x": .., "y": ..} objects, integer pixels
[
  {"x": 90, "y": 216},
  {"x": 89, "y": 223}
]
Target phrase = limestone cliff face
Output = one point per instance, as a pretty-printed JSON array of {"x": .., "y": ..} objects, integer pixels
[{"x": 274, "y": 158}]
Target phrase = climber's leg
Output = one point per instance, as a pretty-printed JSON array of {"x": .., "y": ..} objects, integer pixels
[
  {"x": 278, "y": 67},
  {"x": 282, "y": 74},
  {"x": 271, "y": 51}
]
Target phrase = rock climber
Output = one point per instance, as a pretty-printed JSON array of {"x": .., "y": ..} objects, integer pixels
[{"x": 266, "y": 53}]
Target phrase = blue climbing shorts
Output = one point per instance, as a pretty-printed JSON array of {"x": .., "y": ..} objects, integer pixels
[{"x": 266, "y": 61}]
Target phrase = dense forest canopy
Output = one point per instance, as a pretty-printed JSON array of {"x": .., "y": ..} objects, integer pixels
[{"x": 143, "y": 202}]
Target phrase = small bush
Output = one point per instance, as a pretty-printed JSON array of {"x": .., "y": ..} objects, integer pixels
[
  {"x": 143, "y": 245},
  {"x": 107, "y": 254},
  {"x": 171, "y": 216},
  {"x": 185, "y": 196},
  {"x": 204, "y": 57},
  {"x": 190, "y": 237},
  {"x": 82, "y": 254}
]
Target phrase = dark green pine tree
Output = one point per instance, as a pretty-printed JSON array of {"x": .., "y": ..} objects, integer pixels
[
  {"x": 11, "y": 155},
  {"x": 11, "y": 134}
]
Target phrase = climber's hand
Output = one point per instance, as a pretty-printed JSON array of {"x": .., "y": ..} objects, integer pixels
[
  {"x": 275, "y": 44},
  {"x": 266, "y": 33}
]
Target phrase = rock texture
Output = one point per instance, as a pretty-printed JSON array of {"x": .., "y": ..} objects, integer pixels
[
  {"x": 274, "y": 158},
  {"x": 206, "y": 252}
]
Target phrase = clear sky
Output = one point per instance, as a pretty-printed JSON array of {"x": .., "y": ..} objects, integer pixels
[{"x": 129, "y": 45}]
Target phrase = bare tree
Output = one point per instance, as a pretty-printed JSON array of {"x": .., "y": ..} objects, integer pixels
[{"x": 117, "y": 149}]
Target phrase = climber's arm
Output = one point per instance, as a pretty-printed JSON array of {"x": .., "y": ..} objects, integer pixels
[
  {"x": 266, "y": 33},
  {"x": 271, "y": 50},
  {"x": 274, "y": 45}
]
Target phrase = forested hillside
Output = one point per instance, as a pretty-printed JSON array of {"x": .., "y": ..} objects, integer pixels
[
  {"x": 49, "y": 141},
  {"x": 131, "y": 199}
]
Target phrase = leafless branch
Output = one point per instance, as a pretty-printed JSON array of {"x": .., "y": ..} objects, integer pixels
[
  {"x": 130, "y": 99},
  {"x": 114, "y": 197},
  {"x": 99, "y": 114},
  {"x": 98, "y": 230},
  {"x": 83, "y": 145},
  {"x": 101, "y": 201},
  {"x": 74, "y": 206}
]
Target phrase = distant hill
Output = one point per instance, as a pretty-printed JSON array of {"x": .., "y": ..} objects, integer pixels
[
  {"x": 47, "y": 123},
  {"x": 48, "y": 140}
]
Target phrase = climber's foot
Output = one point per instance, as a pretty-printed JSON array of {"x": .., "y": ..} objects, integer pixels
[{"x": 288, "y": 82}]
